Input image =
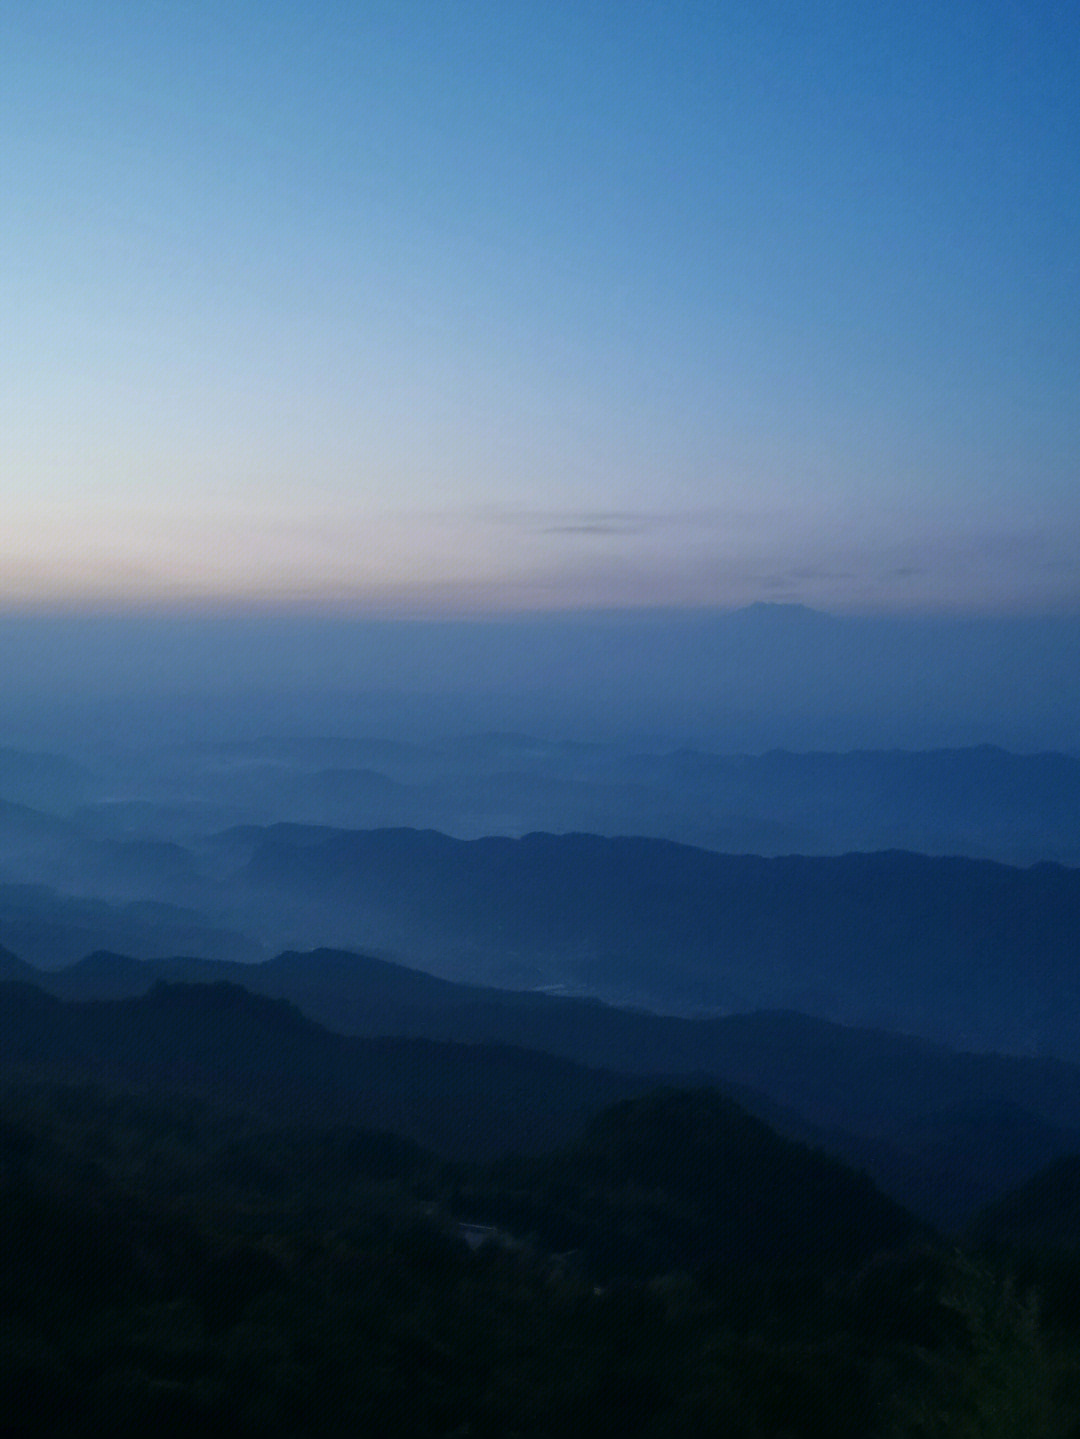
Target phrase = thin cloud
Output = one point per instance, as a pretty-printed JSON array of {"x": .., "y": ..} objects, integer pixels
[
  {"x": 621, "y": 522},
  {"x": 599, "y": 527}
]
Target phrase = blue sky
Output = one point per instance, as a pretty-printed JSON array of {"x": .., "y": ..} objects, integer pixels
[{"x": 457, "y": 308}]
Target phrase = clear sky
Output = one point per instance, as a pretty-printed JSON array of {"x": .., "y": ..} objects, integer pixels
[{"x": 486, "y": 306}]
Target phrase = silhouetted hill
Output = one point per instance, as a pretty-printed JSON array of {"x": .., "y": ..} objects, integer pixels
[
  {"x": 684, "y": 1180},
  {"x": 657, "y": 1181},
  {"x": 942, "y": 1131},
  {"x": 981, "y": 801},
  {"x": 1043, "y": 1213},
  {"x": 173, "y": 1269},
  {"x": 13, "y": 968},
  {"x": 51, "y": 930},
  {"x": 971, "y": 953},
  {"x": 21, "y": 826},
  {"x": 242, "y": 1050}
]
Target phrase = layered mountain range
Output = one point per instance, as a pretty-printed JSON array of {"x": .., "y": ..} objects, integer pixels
[{"x": 940, "y": 1130}]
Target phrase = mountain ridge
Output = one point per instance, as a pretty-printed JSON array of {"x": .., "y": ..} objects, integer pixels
[{"x": 942, "y": 1131}]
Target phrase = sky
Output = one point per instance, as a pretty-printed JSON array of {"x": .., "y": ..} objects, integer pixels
[{"x": 476, "y": 309}]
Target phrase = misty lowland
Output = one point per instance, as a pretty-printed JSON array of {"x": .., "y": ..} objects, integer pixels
[{"x": 429, "y": 1080}]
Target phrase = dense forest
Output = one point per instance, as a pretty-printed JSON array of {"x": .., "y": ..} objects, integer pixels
[{"x": 179, "y": 1265}]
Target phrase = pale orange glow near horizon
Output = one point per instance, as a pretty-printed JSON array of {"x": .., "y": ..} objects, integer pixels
[{"x": 488, "y": 561}]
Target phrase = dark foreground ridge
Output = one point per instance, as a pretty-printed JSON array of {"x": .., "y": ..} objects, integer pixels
[
  {"x": 940, "y": 1131},
  {"x": 171, "y": 1267},
  {"x": 264, "y": 1057}
]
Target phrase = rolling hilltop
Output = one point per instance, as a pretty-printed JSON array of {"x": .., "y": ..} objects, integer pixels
[
  {"x": 940, "y": 1130},
  {"x": 970, "y": 953}
]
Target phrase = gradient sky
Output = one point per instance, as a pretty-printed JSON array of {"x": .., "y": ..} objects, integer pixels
[{"x": 486, "y": 306}]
